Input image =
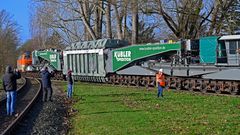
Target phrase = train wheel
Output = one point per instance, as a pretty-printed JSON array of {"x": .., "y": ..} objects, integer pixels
[
  {"x": 137, "y": 81},
  {"x": 178, "y": 84},
  {"x": 203, "y": 86},
  {"x": 234, "y": 88},
  {"x": 144, "y": 82},
  {"x": 233, "y": 92},
  {"x": 167, "y": 84},
  {"x": 116, "y": 79},
  {"x": 120, "y": 80},
  {"x": 187, "y": 84},
  {"x": 217, "y": 88},
  {"x": 191, "y": 85},
  {"x": 109, "y": 79},
  {"x": 128, "y": 81},
  {"x": 113, "y": 79}
]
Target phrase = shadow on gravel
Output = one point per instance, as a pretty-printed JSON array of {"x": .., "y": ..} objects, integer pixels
[
  {"x": 46, "y": 118},
  {"x": 25, "y": 127}
]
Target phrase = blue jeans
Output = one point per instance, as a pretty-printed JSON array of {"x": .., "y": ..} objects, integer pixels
[
  {"x": 69, "y": 92},
  {"x": 11, "y": 99},
  {"x": 160, "y": 90}
]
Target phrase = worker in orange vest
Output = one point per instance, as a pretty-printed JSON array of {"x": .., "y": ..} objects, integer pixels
[{"x": 160, "y": 81}]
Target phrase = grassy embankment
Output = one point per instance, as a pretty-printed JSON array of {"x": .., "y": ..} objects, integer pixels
[{"x": 113, "y": 110}]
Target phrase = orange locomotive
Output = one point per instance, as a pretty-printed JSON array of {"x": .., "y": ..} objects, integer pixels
[{"x": 24, "y": 61}]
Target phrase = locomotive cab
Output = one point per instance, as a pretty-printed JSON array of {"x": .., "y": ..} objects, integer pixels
[
  {"x": 228, "y": 51},
  {"x": 24, "y": 61}
]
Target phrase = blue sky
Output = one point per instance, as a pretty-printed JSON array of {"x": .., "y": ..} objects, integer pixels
[{"x": 20, "y": 12}]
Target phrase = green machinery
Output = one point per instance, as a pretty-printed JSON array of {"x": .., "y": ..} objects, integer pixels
[
  {"x": 49, "y": 57},
  {"x": 95, "y": 60}
]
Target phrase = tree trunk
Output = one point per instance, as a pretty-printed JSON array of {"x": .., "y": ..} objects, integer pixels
[
  {"x": 108, "y": 20},
  {"x": 86, "y": 23},
  {"x": 134, "y": 21},
  {"x": 100, "y": 20},
  {"x": 125, "y": 19},
  {"x": 118, "y": 21},
  {"x": 87, "y": 14}
]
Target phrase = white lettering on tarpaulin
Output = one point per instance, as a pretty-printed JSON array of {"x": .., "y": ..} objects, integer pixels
[
  {"x": 42, "y": 53},
  {"x": 53, "y": 57},
  {"x": 152, "y": 48},
  {"x": 123, "y": 55}
]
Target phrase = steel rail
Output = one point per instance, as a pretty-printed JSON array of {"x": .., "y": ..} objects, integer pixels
[{"x": 10, "y": 128}]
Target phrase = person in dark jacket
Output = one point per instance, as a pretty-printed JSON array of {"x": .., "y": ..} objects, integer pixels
[
  {"x": 70, "y": 84},
  {"x": 47, "y": 86},
  {"x": 10, "y": 86}
]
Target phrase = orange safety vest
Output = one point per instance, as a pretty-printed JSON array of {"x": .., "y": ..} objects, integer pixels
[{"x": 160, "y": 78}]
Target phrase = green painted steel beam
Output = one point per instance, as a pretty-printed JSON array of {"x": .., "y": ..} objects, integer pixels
[
  {"x": 126, "y": 55},
  {"x": 50, "y": 56}
]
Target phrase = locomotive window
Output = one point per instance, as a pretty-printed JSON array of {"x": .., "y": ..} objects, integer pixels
[{"x": 232, "y": 47}]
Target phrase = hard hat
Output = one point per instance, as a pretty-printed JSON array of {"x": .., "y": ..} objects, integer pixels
[{"x": 160, "y": 70}]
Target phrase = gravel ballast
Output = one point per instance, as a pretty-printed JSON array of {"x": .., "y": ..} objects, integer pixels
[{"x": 47, "y": 118}]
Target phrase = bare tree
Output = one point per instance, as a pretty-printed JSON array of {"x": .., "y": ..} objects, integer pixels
[
  {"x": 68, "y": 18},
  {"x": 76, "y": 20},
  {"x": 186, "y": 18},
  {"x": 9, "y": 40},
  {"x": 224, "y": 14}
]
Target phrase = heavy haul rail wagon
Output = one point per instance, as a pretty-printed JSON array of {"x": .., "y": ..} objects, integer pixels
[
  {"x": 218, "y": 69},
  {"x": 208, "y": 64},
  {"x": 114, "y": 61}
]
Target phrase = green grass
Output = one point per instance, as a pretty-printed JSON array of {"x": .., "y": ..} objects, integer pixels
[{"x": 113, "y": 110}]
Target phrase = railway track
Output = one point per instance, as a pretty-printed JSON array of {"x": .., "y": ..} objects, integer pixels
[{"x": 26, "y": 96}]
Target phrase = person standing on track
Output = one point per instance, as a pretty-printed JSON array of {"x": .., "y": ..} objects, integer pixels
[
  {"x": 160, "y": 82},
  {"x": 70, "y": 84},
  {"x": 47, "y": 86},
  {"x": 10, "y": 86}
]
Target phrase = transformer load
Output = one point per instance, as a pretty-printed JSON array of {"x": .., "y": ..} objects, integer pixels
[{"x": 100, "y": 60}]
